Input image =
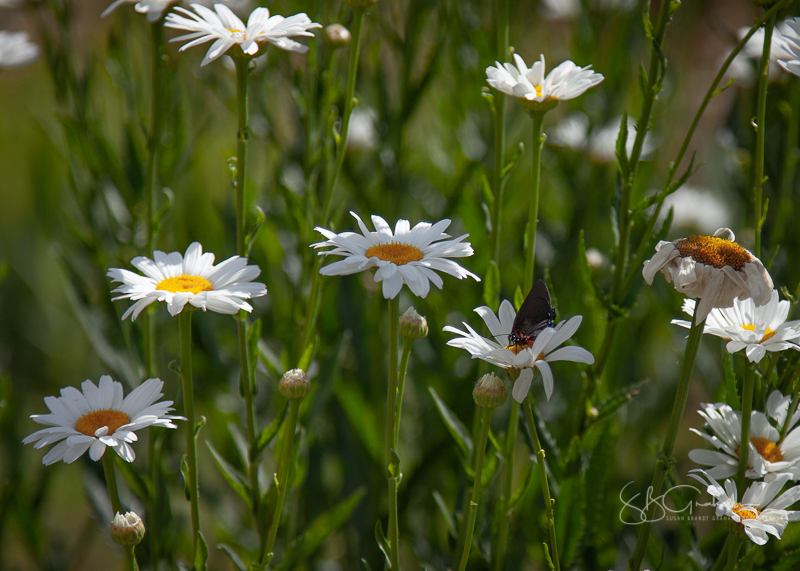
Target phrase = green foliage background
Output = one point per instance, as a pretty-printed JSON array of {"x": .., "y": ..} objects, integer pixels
[{"x": 72, "y": 153}]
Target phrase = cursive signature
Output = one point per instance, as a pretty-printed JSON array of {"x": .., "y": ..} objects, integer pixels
[{"x": 655, "y": 507}]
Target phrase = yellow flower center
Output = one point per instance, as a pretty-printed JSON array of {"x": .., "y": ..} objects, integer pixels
[
  {"x": 769, "y": 450},
  {"x": 716, "y": 252},
  {"x": 767, "y": 334},
  {"x": 185, "y": 284},
  {"x": 538, "y": 89},
  {"x": 746, "y": 512},
  {"x": 398, "y": 254},
  {"x": 113, "y": 419}
]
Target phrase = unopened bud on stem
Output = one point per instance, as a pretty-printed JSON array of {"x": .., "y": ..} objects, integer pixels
[
  {"x": 490, "y": 391},
  {"x": 294, "y": 384},
  {"x": 127, "y": 529},
  {"x": 413, "y": 325},
  {"x": 337, "y": 35}
]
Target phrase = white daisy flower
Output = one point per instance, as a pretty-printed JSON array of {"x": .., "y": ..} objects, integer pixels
[
  {"x": 754, "y": 329},
  {"x": 767, "y": 457},
  {"x": 228, "y": 30},
  {"x": 763, "y": 507},
  {"x": 99, "y": 417},
  {"x": 153, "y": 9},
  {"x": 16, "y": 49},
  {"x": 532, "y": 89},
  {"x": 712, "y": 269},
  {"x": 790, "y": 45},
  {"x": 410, "y": 256},
  {"x": 193, "y": 278},
  {"x": 779, "y": 49},
  {"x": 544, "y": 351}
]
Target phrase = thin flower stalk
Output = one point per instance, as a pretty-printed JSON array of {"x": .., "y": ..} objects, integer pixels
[
  {"x": 761, "y": 130},
  {"x": 549, "y": 503},
  {"x": 391, "y": 414},
  {"x": 401, "y": 383},
  {"x": 747, "y": 409},
  {"x": 480, "y": 453},
  {"x": 536, "y": 169},
  {"x": 242, "y": 74},
  {"x": 116, "y": 506},
  {"x": 789, "y": 415},
  {"x": 192, "y": 484},
  {"x": 662, "y": 462},
  {"x": 734, "y": 546},
  {"x": 501, "y": 21},
  {"x": 509, "y": 453},
  {"x": 285, "y": 461}
]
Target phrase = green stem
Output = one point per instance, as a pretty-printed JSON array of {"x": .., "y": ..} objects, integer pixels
[
  {"x": 733, "y": 554},
  {"x": 192, "y": 484},
  {"x": 116, "y": 505},
  {"x": 536, "y": 169},
  {"x": 747, "y": 409},
  {"x": 242, "y": 72},
  {"x": 486, "y": 416},
  {"x": 352, "y": 74},
  {"x": 548, "y": 502},
  {"x": 662, "y": 463},
  {"x": 247, "y": 385},
  {"x": 761, "y": 129},
  {"x": 508, "y": 481},
  {"x": 501, "y": 20},
  {"x": 282, "y": 478},
  {"x": 391, "y": 414},
  {"x": 723, "y": 554},
  {"x": 401, "y": 383}
]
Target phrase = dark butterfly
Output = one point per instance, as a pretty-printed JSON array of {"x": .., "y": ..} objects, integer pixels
[{"x": 533, "y": 317}]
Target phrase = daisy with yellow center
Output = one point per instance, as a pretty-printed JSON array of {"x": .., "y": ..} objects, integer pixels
[
  {"x": 98, "y": 417},
  {"x": 410, "y": 256},
  {"x": 768, "y": 455},
  {"x": 762, "y": 510},
  {"x": 533, "y": 90},
  {"x": 754, "y": 329},
  {"x": 712, "y": 269},
  {"x": 193, "y": 279},
  {"x": 227, "y": 30},
  {"x": 497, "y": 350}
]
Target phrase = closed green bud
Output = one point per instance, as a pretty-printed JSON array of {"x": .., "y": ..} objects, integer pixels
[
  {"x": 294, "y": 384},
  {"x": 413, "y": 325},
  {"x": 337, "y": 35},
  {"x": 490, "y": 391},
  {"x": 360, "y": 3},
  {"x": 127, "y": 529}
]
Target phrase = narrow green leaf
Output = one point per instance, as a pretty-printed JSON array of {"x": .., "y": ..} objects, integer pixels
[
  {"x": 486, "y": 191},
  {"x": 615, "y": 401},
  {"x": 201, "y": 555},
  {"x": 271, "y": 361},
  {"x": 308, "y": 353},
  {"x": 235, "y": 559},
  {"x": 731, "y": 394},
  {"x": 253, "y": 334},
  {"x": 135, "y": 480},
  {"x": 185, "y": 474},
  {"x": 513, "y": 162},
  {"x": 518, "y": 298},
  {"x": 491, "y": 286},
  {"x": 454, "y": 426},
  {"x": 200, "y": 424},
  {"x": 722, "y": 90},
  {"x": 251, "y": 236},
  {"x": 643, "y": 83},
  {"x": 268, "y": 434},
  {"x": 489, "y": 98},
  {"x": 366, "y": 565},
  {"x": 383, "y": 544},
  {"x": 622, "y": 149},
  {"x": 232, "y": 476},
  {"x": 362, "y": 418},
  {"x": 445, "y": 511}
]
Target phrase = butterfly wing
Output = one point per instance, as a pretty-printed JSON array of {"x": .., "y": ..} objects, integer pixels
[{"x": 535, "y": 314}]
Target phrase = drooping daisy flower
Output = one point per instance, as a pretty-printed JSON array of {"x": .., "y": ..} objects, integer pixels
[
  {"x": 543, "y": 352},
  {"x": 763, "y": 508},
  {"x": 790, "y": 44},
  {"x": 153, "y": 9},
  {"x": 533, "y": 90},
  {"x": 228, "y": 30},
  {"x": 192, "y": 279},
  {"x": 99, "y": 417},
  {"x": 754, "y": 329},
  {"x": 16, "y": 49},
  {"x": 410, "y": 256},
  {"x": 766, "y": 458},
  {"x": 711, "y": 269}
]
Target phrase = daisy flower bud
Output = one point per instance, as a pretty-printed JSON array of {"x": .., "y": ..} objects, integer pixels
[
  {"x": 294, "y": 384},
  {"x": 490, "y": 391},
  {"x": 413, "y": 325},
  {"x": 127, "y": 529},
  {"x": 337, "y": 35}
]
